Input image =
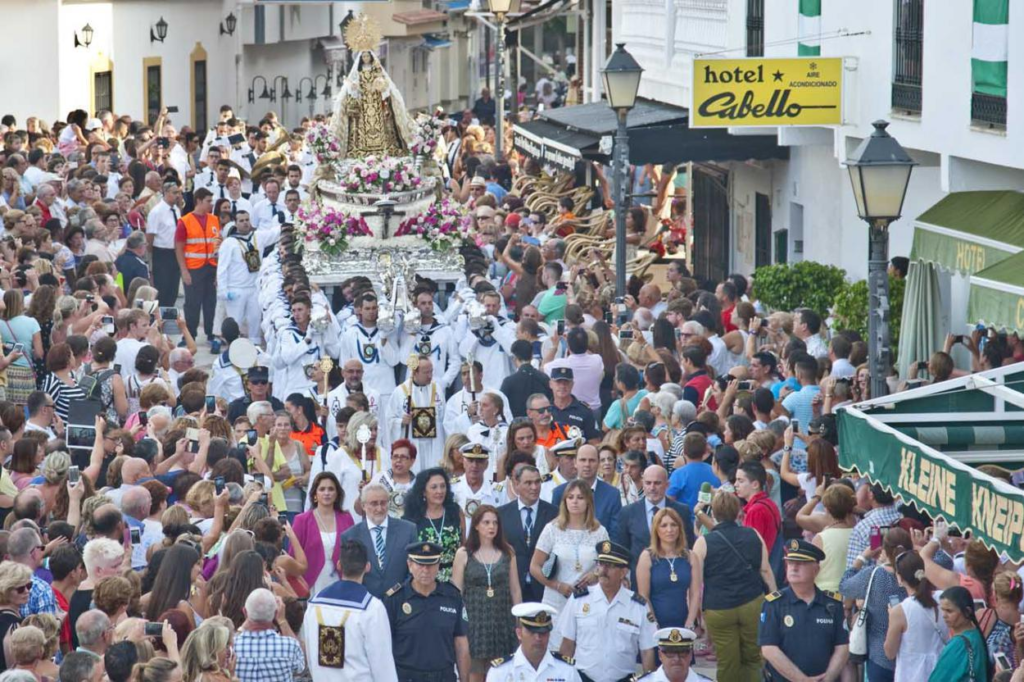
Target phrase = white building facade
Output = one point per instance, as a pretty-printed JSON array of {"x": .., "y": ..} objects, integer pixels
[{"x": 906, "y": 61}]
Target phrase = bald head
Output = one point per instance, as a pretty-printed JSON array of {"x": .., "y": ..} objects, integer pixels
[
  {"x": 137, "y": 502},
  {"x": 153, "y": 180},
  {"x": 586, "y": 463},
  {"x": 134, "y": 469},
  {"x": 655, "y": 480},
  {"x": 650, "y": 295}
]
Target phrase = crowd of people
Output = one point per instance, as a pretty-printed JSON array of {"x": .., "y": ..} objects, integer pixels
[{"x": 543, "y": 481}]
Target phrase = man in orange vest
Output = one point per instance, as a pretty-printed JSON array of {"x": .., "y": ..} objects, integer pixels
[{"x": 195, "y": 247}]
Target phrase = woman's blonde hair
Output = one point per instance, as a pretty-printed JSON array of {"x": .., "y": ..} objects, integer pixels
[
  {"x": 200, "y": 495},
  {"x": 202, "y": 648},
  {"x": 725, "y": 507},
  {"x": 174, "y": 515},
  {"x": 453, "y": 442},
  {"x": 657, "y": 548},
  {"x": 590, "y": 522},
  {"x": 154, "y": 670},
  {"x": 50, "y": 627},
  {"x": 55, "y": 467},
  {"x": 839, "y": 501},
  {"x": 749, "y": 450},
  {"x": 14, "y": 301},
  {"x": 65, "y": 308},
  {"x": 352, "y": 444},
  {"x": 112, "y": 594},
  {"x": 237, "y": 541},
  {"x": 28, "y": 644}
]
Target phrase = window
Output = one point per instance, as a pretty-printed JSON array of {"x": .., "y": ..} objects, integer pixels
[
  {"x": 762, "y": 230},
  {"x": 103, "y": 91},
  {"x": 152, "y": 69},
  {"x": 259, "y": 24},
  {"x": 755, "y": 28},
  {"x": 908, "y": 42},
  {"x": 199, "y": 89}
]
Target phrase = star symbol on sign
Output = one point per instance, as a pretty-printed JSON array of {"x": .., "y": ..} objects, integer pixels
[
  {"x": 777, "y": 76},
  {"x": 814, "y": 66}
]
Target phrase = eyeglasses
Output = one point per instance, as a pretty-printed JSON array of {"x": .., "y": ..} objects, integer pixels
[
  {"x": 542, "y": 410},
  {"x": 22, "y": 589}
]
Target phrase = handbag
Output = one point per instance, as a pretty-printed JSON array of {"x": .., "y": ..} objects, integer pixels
[
  {"x": 970, "y": 658},
  {"x": 859, "y": 631},
  {"x": 550, "y": 566},
  {"x": 764, "y": 587}
]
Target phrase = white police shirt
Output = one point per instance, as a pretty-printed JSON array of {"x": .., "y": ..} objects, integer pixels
[{"x": 608, "y": 634}]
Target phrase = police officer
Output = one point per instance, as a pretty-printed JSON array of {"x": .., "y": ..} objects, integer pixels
[
  {"x": 532, "y": 662},
  {"x": 604, "y": 626},
  {"x": 675, "y": 645},
  {"x": 802, "y": 632},
  {"x": 428, "y": 621},
  {"x": 474, "y": 488}
]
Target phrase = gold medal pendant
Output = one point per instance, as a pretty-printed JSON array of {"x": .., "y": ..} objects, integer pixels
[
  {"x": 490, "y": 592},
  {"x": 673, "y": 577}
]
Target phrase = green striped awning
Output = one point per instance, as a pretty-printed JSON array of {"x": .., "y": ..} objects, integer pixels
[
  {"x": 997, "y": 295},
  {"x": 970, "y": 231},
  {"x": 962, "y": 438}
]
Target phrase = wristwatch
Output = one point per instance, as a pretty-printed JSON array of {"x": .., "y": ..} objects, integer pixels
[{"x": 787, "y": 448}]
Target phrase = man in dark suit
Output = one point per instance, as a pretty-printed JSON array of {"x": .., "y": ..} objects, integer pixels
[
  {"x": 522, "y": 521},
  {"x": 388, "y": 565},
  {"x": 635, "y": 519},
  {"x": 132, "y": 263},
  {"x": 525, "y": 381},
  {"x": 607, "y": 501}
]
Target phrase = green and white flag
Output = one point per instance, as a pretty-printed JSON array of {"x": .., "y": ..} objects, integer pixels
[
  {"x": 809, "y": 30},
  {"x": 991, "y": 45}
]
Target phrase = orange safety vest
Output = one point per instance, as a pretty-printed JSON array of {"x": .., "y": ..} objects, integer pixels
[{"x": 200, "y": 244}]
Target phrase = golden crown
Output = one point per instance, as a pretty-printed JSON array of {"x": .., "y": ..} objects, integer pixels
[{"x": 362, "y": 33}]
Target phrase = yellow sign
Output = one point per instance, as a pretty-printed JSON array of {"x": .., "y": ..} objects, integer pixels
[{"x": 767, "y": 92}]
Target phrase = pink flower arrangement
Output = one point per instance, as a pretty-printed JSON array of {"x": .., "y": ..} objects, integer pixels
[
  {"x": 444, "y": 226},
  {"x": 323, "y": 143},
  {"x": 329, "y": 229},
  {"x": 428, "y": 132},
  {"x": 374, "y": 175}
]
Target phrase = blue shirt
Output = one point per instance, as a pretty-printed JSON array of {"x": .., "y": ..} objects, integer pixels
[
  {"x": 497, "y": 190},
  {"x": 684, "y": 483},
  {"x": 799, "y": 405},
  {"x": 790, "y": 383},
  {"x": 614, "y": 418}
]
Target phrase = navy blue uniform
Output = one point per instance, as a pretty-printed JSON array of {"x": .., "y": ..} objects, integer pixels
[
  {"x": 423, "y": 631},
  {"x": 806, "y": 633}
]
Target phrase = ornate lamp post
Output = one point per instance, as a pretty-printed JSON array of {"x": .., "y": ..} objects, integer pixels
[
  {"x": 880, "y": 173},
  {"x": 500, "y": 9},
  {"x": 621, "y": 76}
]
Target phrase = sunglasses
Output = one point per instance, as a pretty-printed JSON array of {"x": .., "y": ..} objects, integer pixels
[
  {"x": 258, "y": 381},
  {"x": 22, "y": 589}
]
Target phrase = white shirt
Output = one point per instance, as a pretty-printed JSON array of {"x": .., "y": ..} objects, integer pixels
[
  {"x": 34, "y": 175},
  {"x": 232, "y": 272},
  {"x": 469, "y": 500},
  {"x": 660, "y": 676},
  {"x": 608, "y": 634},
  {"x": 519, "y": 669},
  {"x": 816, "y": 346},
  {"x": 162, "y": 222},
  {"x": 263, "y": 213},
  {"x": 843, "y": 369},
  {"x": 127, "y": 351}
]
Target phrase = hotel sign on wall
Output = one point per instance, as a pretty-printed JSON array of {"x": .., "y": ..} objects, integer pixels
[{"x": 767, "y": 92}]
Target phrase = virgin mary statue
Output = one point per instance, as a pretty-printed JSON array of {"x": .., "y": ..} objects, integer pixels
[{"x": 370, "y": 118}]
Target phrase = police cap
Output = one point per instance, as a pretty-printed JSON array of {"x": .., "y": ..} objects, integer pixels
[
  {"x": 424, "y": 553},
  {"x": 561, "y": 374},
  {"x": 803, "y": 551},
  {"x": 609, "y": 552}
]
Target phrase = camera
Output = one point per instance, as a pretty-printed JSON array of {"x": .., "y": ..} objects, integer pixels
[
  {"x": 218, "y": 484},
  {"x": 211, "y": 404},
  {"x": 251, "y": 436},
  {"x": 74, "y": 475},
  {"x": 154, "y": 629},
  {"x": 625, "y": 334},
  {"x": 136, "y": 536}
]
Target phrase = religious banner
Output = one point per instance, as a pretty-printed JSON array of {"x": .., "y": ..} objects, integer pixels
[
  {"x": 935, "y": 483},
  {"x": 767, "y": 92}
]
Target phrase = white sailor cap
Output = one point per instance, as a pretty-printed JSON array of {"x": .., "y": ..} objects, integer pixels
[{"x": 535, "y": 616}]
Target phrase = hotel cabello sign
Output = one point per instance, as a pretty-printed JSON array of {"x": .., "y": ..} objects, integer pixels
[{"x": 767, "y": 92}]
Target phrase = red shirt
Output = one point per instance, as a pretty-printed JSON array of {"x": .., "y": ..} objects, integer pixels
[
  {"x": 65, "y": 628},
  {"x": 727, "y": 319},
  {"x": 46, "y": 212},
  {"x": 762, "y": 515}
]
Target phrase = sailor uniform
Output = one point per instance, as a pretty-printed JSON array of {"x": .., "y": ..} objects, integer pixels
[
  {"x": 492, "y": 349},
  {"x": 379, "y": 353},
  {"x": 336, "y": 402},
  {"x": 345, "y": 614},
  {"x": 438, "y": 343},
  {"x": 426, "y": 405},
  {"x": 226, "y": 380},
  {"x": 549, "y": 482},
  {"x": 238, "y": 267},
  {"x": 492, "y": 438},
  {"x": 293, "y": 352},
  {"x": 456, "y": 413}
]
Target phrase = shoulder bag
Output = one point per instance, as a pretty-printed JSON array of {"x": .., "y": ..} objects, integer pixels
[
  {"x": 970, "y": 659},
  {"x": 764, "y": 587},
  {"x": 859, "y": 631}
]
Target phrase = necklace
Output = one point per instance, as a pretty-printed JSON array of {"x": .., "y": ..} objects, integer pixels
[
  {"x": 489, "y": 567},
  {"x": 672, "y": 568},
  {"x": 437, "y": 529},
  {"x": 320, "y": 521}
]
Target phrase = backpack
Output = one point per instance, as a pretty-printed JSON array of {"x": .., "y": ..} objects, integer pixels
[{"x": 91, "y": 384}]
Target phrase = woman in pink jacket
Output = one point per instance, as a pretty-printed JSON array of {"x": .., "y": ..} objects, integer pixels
[{"x": 321, "y": 527}]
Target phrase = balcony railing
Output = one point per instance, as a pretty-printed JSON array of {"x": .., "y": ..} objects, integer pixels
[
  {"x": 906, "y": 98},
  {"x": 988, "y": 109}
]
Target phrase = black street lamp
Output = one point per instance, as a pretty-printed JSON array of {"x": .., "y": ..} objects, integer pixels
[
  {"x": 326, "y": 92},
  {"x": 880, "y": 173},
  {"x": 621, "y": 76},
  {"x": 252, "y": 89},
  {"x": 230, "y": 22},
  {"x": 298, "y": 90},
  {"x": 161, "y": 32},
  {"x": 86, "y": 40}
]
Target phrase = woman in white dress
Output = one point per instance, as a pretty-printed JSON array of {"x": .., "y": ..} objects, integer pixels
[
  {"x": 917, "y": 631},
  {"x": 571, "y": 541}
]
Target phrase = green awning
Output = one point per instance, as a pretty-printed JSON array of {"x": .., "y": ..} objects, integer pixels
[
  {"x": 997, "y": 295},
  {"x": 970, "y": 231}
]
